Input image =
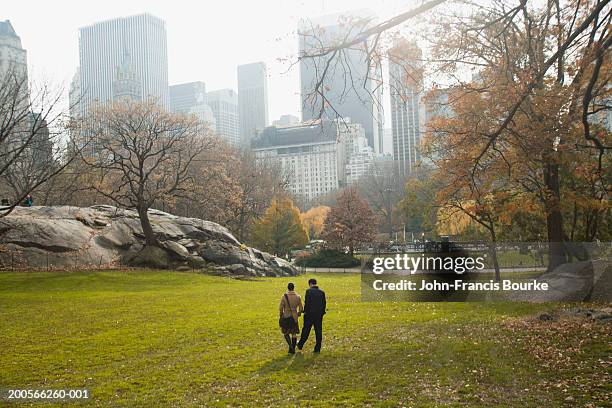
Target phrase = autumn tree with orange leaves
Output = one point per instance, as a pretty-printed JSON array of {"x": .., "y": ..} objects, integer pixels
[
  {"x": 314, "y": 220},
  {"x": 525, "y": 128},
  {"x": 350, "y": 223}
]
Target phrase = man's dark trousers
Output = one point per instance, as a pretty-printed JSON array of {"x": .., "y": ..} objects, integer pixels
[
  {"x": 314, "y": 309},
  {"x": 317, "y": 322}
]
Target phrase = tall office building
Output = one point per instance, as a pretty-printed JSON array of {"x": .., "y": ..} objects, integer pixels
[
  {"x": 30, "y": 133},
  {"x": 185, "y": 96},
  {"x": 252, "y": 99},
  {"x": 190, "y": 98},
  {"x": 406, "y": 84},
  {"x": 349, "y": 86},
  {"x": 12, "y": 55},
  {"x": 74, "y": 95},
  {"x": 224, "y": 105},
  {"x": 103, "y": 48},
  {"x": 435, "y": 105}
]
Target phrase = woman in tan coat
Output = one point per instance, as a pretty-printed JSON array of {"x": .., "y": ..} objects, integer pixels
[{"x": 290, "y": 309}]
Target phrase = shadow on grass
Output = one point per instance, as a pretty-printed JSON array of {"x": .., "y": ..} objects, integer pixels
[{"x": 297, "y": 362}]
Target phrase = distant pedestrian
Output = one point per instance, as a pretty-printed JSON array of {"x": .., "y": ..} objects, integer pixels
[
  {"x": 29, "y": 201},
  {"x": 290, "y": 309},
  {"x": 314, "y": 309}
]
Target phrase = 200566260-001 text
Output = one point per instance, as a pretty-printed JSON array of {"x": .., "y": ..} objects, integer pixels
[{"x": 21, "y": 394}]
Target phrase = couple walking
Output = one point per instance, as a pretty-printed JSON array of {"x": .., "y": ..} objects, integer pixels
[{"x": 290, "y": 309}]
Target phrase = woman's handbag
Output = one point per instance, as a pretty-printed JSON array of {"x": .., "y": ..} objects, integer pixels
[{"x": 286, "y": 322}]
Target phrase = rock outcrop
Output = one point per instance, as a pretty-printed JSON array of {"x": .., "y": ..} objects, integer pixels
[
  {"x": 589, "y": 281},
  {"x": 105, "y": 236}
]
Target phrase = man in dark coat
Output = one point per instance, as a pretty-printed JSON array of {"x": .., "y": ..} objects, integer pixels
[{"x": 314, "y": 309}]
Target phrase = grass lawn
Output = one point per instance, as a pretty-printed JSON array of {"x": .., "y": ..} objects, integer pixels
[{"x": 179, "y": 339}]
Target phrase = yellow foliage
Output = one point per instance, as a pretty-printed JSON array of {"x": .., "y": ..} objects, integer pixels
[
  {"x": 453, "y": 222},
  {"x": 314, "y": 220},
  {"x": 280, "y": 229}
]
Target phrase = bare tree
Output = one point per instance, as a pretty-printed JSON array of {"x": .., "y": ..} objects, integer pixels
[
  {"x": 383, "y": 187},
  {"x": 259, "y": 181},
  {"x": 34, "y": 142},
  {"x": 144, "y": 154},
  {"x": 330, "y": 55}
]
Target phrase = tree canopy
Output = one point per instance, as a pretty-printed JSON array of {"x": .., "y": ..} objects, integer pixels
[{"x": 280, "y": 229}]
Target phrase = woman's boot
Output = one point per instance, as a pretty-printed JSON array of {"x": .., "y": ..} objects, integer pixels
[
  {"x": 288, "y": 340},
  {"x": 293, "y": 343}
]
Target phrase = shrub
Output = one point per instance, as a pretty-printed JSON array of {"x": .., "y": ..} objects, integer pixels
[{"x": 328, "y": 258}]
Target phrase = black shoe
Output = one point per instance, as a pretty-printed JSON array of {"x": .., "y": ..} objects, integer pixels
[{"x": 299, "y": 346}]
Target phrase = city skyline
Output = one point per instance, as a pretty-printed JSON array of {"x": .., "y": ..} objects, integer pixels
[{"x": 272, "y": 38}]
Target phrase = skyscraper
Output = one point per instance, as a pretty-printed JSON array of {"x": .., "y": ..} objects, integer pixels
[
  {"x": 12, "y": 55},
  {"x": 103, "y": 48},
  {"x": 185, "y": 96},
  {"x": 224, "y": 104},
  {"x": 74, "y": 95},
  {"x": 27, "y": 143},
  {"x": 349, "y": 86},
  {"x": 406, "y": 84},
  {"x": 252, "y": 99},
  {"x": 190, "y": 98}
]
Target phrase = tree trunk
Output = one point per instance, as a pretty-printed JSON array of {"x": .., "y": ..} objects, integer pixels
[
  {"x": 493, "y": 252},
  {"x": 554, "y": 218},
  {"x": 150, "y": 239}
]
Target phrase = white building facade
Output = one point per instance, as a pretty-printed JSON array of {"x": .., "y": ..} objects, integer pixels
[
  {"x": 355, "y": 154},
  {"x": 224, "y": 106},
  {"x": 307, "y": 152}
]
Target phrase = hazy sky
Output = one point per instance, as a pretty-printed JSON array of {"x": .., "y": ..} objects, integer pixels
[{"x": 206, "y": 39}]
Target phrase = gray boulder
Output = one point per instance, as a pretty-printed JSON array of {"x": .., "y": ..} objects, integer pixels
[
  {"x": 573, "y": 282},
  {"x": 104, "y": 236}
]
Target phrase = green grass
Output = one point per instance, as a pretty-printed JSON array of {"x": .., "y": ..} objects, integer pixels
[{"x": 178, "y": 339}]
